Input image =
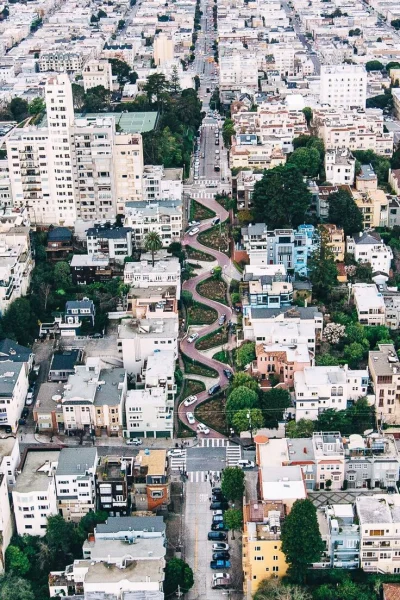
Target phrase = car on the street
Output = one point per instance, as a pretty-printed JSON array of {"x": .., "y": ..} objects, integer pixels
[
  {"x": 192, "y": 337},
  {"x": 245, "y": 464},
  {"x": 228, "y": 374},
  {"x": 29, "y": 399},
  {"x": 25, "y": 412},
  {"x": 221, "y": 580},
  {"x": 21, "y": 421},
  {"x": 175, "y": 453},
  {"x": 220, "y": 546},
  {"x": 221, "y": 555},
  {"x": 190, "y": 400},
  {"x": 214, "y": 389},
  {"x": 218, "y": 527},
  {"x": 215, "y": 536},
  {"x": 194, "y": 223},
  {"x": 220, "y": 564},
  {"x": 222, "y": 319},
  {"x": 203, "y": 428},
  {"x": 134, "y": 442},
  {"x": 216, "y": 490},
  {"x": 218, "y": 505},
  {"x": 190, "y": 418},
  {"x": 218, "y": 519},
  {"x": 194, "y": 231},
  {"x": 216, "y": 513}
]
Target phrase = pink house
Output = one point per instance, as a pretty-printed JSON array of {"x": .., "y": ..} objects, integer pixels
[{"x": 282, "y": 361}]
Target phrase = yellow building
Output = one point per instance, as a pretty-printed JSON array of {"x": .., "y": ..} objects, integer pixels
[
  {"x": 374, "y": 206},
  {"x": 262, "y": 554},
  {"x": 336, "y": 242}
]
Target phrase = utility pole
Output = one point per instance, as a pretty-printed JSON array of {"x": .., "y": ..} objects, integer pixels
[{"x": 179, "y": 593}]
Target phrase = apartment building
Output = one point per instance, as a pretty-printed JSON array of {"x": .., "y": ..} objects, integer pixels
[
  {"x": 237, "y": 67},
  {"x": 343, "y": 86},
  {"x": 162, "y": 184},
  {"x": 164, "y": 217},
  {"x": 151, "y": 486},
  {"x": 379, "y": 525},
  {"x": 165, "y": 272},
  {"x": 13, "y": 390},
  {"x": 319, "y": 388},
  {"x": 128, "y": 168},
  {"x": 369, "y": 304},
  {"x": 97, "y": 72},
  {"x": 16, "y": 265},
  {"x": 282, "y": 359},
  {"x": 371, "y": 462},
  {"x": 34, "y": 493},
  {"x": 89, "y": 268},
  {"x": 246, "y": 154},
  {"x": 384, "y": 368},
  {"x": 265, "y": 286},
  {"x": 339, "y": 166},
  {"x": 366, "y": 179},
  {"x": 374, "y": 206},
  {"x": 335, "y": 241},
  {"x": 113, "y": 480},
  {"x": 392, "y": 310},
  {"x": 9, "y": 461},
  {"x": 75, "y": 482},
  {"x": 329, "y": 459},
  {"x": 341, "y": 534},
  {"x": 243, "y": 188},
  {"x": 149, "y": 410},
  {"x": 369, "y": 248},
  {"x": 113, "y": 242},
  {"x": 163, "y": 48},
  {"x": 60, "y": 61}
]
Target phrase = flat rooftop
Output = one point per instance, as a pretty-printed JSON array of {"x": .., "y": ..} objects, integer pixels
[
  {"x": 108, "y": 391},
  {"x": 154, "y": 461},
  {"x": 144, "y": 549},
  {"x": 45, "y": 399},
  {"x": 130, "y": 328},
  {"x": 6, "y": 446},
  {"x": 132, "y": 122},
  {"x": 34, "y": 476},
  {"x": 378, "y": 509},
  {"x": 75, "y": 461},
  {"x": 282, "y": 483},
  {"x": 149, "y": 571}
]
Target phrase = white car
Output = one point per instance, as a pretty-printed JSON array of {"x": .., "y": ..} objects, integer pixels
[
  {"x": 190, "y": 400},
  {"x": 245, "y": 464},
  {"x": 176, "y": 452},
  {"x": 134, "y": 442},
  {"x": 194, "y": 223},
  {"x": 217, "y": 513},
  {"x": 193, "y": 337},
  {"x": 203, "y": 428},
  {"x": 220, "y": 546},
  {"x": 194, "y": 231},
  {"x": 29, "y": 399},
  {"x": 190, "y": 418},
  {"x": 221, "y": 576}
]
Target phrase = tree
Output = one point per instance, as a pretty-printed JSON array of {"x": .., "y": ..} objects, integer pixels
[
  {"x": 121, "y": 24},
  {"x": 19, "y": 322},
  {"x": 308, "y": 113},
  {"x": 326, "y": 360},
  {"x": 62, "y": 275},
  {"x": 275, "y": 589},
  {"x": 273, "y": 404},
  {"x": 361, "y": 416},
  {"x": 15, "y": 588},
  {"x": 178, "y": 576},
  {"x": 133, "y": 77},
  {"x": 78, "y": 94},
  {"x": 174, "y": 82},
  {"x": 241, "y": 421},
  {"x": 353, "y": 353},
  {"x": 307, "y": 160},
  {"x": 246, "y": 353},
  {"x": 63, "y": 541},
  {"x": 97, "y": 99},
  {"x": 16, "y": 561},
  {"x": 152, "y": 243},
  {"x": 121, "y": 69},
  {"x": 155, "y": 85},
  {"x": 334, "y": 332},
  {"x": 374, "y": 65},
  {"x": 36, "y": 106},
  {"x": 281, "y": 198},
  {"x": 233, "y": 519},
  {"x": 101, "y": 14},
  {"x": 240, "y": 398},
  {"x": 19, "y": 109},
  {"x": 332, "y": 420},
  {"x": 301, "y": 428},
  {"x": 380, "y": 101},
  {"x": 301, "y": 539},
  {"x": 344, "y": 212},
  {"x": 380, "y": 164},
  {"x": 232, "y": 483},
  {"x": 244, "y": 379},
  {"x": 228, "y": 131},
  {"x": 322, "y": 267},
  {"x": 90, "y": 520},
  {"x": 395, "y": 23},
  {"x": 309, "y": 141}
]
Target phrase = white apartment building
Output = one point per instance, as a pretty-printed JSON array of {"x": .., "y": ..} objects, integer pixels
[
  {"x": 164, "y": 217},
  {"x": 329, "y": 457},
  {"x": 5, "y": 185},
  {"x": 75, "y": 482},
  {"x": 140, "y": 338},
  {"x": 9, "y": 458},
  {"x": 113, "y": 242},
  {"x": 379, "y": 525},
  {"x": 339, "y": 166},
  {"x": 97, "y": 72},
  {"x": 319, "y": 388},
  {"x": 164, "y": 273},
  {"x": 384, "y": 367},
  {"x": 6, "y": 521},
  {"x": 13, "y": 390},
  {"x": 61, "y": 61},
  {"x": 367, "y": 248},
  {"x": 16, "y": 265},
  {"x": 369, "y": 304},
  {"x": 34, "y": 494},
  {"x": 162, "y": 184},
  {"x": 238, "y": 68},
  {"x": 343, "y": 86},
  {"x": 128, "y": 168}
]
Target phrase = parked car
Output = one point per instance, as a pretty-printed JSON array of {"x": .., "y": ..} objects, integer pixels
[
  {"x": 220, "y": 564},
  {"x": 194, "y": 231},
  {"x": 220, "y": 546},
  {"x": 190, "y": 418},
  {"x": 192, "y": 337},
  {"x": 134, "y": 442},
  {"x": 25, "y": 412},
  {"x": 228, "y": 374},
  {"x": 221, "y": 555},
  {"x": 214, "y": 389},
  {"x": 176, "y": 452},
  {"x": 218, "y": 527},
  {"x": 190, "y": 400},
  {"x": 194, "y": 223},
  {"x": 217, "y": 490},
  {"x": 245, "y": 464},
  {"x": 203, "y": 428},
  {"x": 222, "y": 319},
  {"x": 218, "y": 519},
  {"x": 218, "y": 505},
  {"x": 218, "y": 512},
  {"x": 219, "y": 536},
  {"x": 29, "y": 399}
]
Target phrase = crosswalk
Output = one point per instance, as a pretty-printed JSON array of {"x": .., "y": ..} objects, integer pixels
[
  {"x": 178, "y": 463},
  {"x": 203, "y": 194},
  {"x": 202, "y": 476},
  {"x": 213, "y": 443},
  {"x": 233, "y": 454}
]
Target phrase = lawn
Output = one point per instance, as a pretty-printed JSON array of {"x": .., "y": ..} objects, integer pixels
[
  {"x": 216, "y": 238},
  {"x": 216, "y": 338},
  {"x": 212, "y": 413},
  {"x": 195, "y": 254},
  {"x": 198, "y": 212},
  {"x": 196, "y": 368},
  {"x": 200, "y": 314},
  {"x": 213, "y": 290},
  {"x": 222, "y": 356},
  {"x": 191, "y": 387}
]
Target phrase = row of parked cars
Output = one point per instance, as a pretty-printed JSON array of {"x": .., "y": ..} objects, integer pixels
[{"x": 221, "y": 555}]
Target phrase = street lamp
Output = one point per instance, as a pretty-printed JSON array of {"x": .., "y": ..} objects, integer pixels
[{"x": 250, "y": 427}]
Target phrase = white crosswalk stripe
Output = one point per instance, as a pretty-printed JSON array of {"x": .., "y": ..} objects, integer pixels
[
  {"x": 213, "y": 442},
  {"x": 201, "y": 476},
  {"x": 178, "y": 463},
  {"x": 233, "y": 454},
  {"x": 203, "y": 195}
]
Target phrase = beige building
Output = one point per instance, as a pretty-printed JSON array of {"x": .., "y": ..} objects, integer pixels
[
  {"x": 128, "y": 168},
  {"x": 163, "y": 48},
  {"x": 336, "y": 242},
  {"x": 97, "y": 72},
  {"x": 384, "y": 367},
  {"x": 374, "y": 206},
  {"x": 256, "y": 156}
]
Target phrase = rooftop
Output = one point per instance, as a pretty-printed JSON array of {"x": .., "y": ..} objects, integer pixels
[
  {"x": 109, "y": 233},
  {"x": 145, "y": 549},
  {"x": 282, "y": 483},
  {"x": 89, "y": 260},
  {"x": 11, "y": 350},
  {"x": 378, "y": 509},
  {"x": 385, "y": 360},
  {"x": 59, "y": 234},
  {"x": 367, "y": 173},
  {"x": 130, "y": 329},
  {"x": 49, "y": 397},
  {"x": 299, "y": 312},
  {"x": 155, "y": 461},
  {"x": 108, "y": 390},
  {"x": 9, "y": 373},
  {"x": 137, "y": 571},
  {"x": 132, "y": 122},
  {"x": 122, "y": 524},
  {"x": 64, "y": 360},
  {"x": 6, "y": 446},
  {"x": 368, "y": 297},
  {"x": 75, "y": 461},
  {"x": 36, "y": 471}
]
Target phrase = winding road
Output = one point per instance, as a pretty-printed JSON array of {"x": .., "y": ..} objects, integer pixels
[{"x": 229, "y": 271}]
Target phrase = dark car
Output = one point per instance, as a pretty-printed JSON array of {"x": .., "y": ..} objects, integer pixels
[
  {"x": 218, "y": 527},
  {"x": 228, "y": 374},
  {"x": 220, "y": 564},
  {"x": 214, "y": 389},
  {"x": 21, "y": 421},
  {"x": 222, "y": 555},
  {"x": 216, "y": 490},
  {"x": 217, "y": 505},
  {"x": 25, "y": 412},
  {"x": 216, "y": 536}
]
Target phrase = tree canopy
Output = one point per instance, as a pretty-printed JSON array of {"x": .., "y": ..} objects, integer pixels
[
  {"x": 241, "y": 421},
  {"x": 240, "y": 398},
  {"x": 344, "y": 212},
  {"x": 246, "y": 353},
  {"x": 322, "y": 268},
  {"x": 177, "y": 574},
  {"x": 303, "y": 428},
  {"x": 232, "y": 483},
  {"x": 307, "y": 160},
  {"x": 281, "y": 198},
  {"x": 273, "y": 404},
  {"x": 374, "y": 65}
]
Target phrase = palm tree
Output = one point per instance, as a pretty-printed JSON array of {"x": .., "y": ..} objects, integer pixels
[{"x": 152, "y": 243}]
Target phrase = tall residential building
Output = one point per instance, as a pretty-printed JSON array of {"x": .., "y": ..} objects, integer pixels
[
  {"x": 343, "y": 86},
  {"x": 74, "y": 168},
  {"x": 75, "y": 482},
  {"x": 384, "y": 367},
  {"x": 97, "y": 72}
]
